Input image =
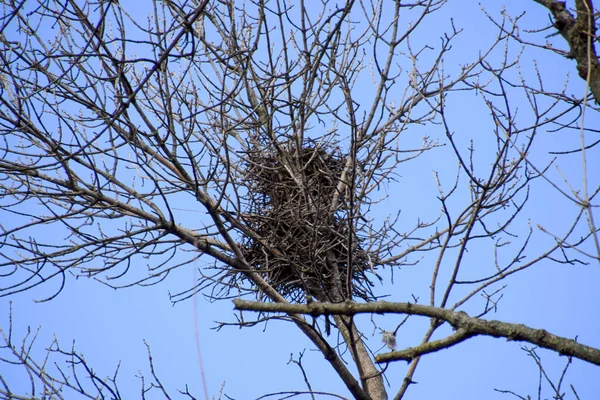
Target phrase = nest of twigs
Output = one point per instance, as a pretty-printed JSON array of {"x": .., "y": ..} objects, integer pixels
[{"x": 305, "y": 244}]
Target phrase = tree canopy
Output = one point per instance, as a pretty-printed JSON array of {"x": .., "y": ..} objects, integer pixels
[{"x": 388, "y": 178}]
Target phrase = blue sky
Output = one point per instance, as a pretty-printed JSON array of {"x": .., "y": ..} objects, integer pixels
[{"x": 110, "y": 326}]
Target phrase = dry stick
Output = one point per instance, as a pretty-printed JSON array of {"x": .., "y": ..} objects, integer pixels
[
  {"x": 586, "y": 198},
  {"x": 197, "y": 334}
]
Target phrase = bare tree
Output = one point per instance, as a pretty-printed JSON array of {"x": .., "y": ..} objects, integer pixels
[{"x": 290, "y": 126}]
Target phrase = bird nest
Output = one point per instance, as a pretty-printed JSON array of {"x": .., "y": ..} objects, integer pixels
[{"x": 305, "y": 243}]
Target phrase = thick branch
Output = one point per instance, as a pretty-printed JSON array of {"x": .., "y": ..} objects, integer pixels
[
  {"x": 465, "y": 325},
  {"x": 579, "y": 32},
  {"x": 411, "y": 353}
]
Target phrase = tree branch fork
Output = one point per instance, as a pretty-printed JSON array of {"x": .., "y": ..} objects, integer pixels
[{"x": 465, "y": 327}]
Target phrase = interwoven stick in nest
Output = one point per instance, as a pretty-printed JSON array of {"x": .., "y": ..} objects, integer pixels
[{"x": 293, "y": 214}]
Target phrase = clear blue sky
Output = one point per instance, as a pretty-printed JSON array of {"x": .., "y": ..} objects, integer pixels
[{"x": 110, "y": 326}]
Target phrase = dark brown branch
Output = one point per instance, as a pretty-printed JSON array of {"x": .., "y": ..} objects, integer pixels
[
  {"x": 465, "y": 325},
  {"x": 579, "y": 32},
  {"x": 411, "y": 353}
]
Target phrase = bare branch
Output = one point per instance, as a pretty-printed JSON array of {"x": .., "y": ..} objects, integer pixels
[{"x": 464, "y": 325}]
